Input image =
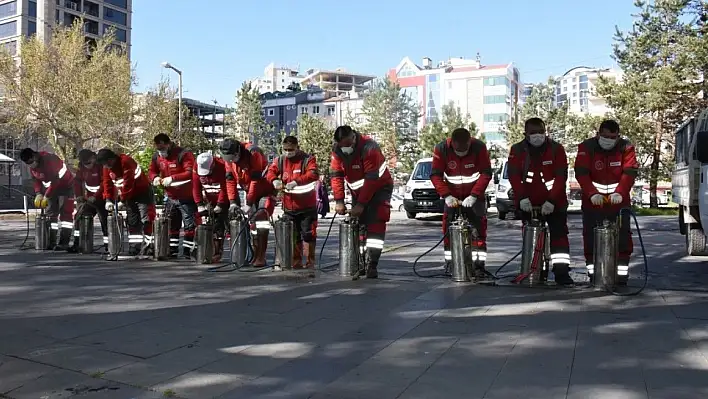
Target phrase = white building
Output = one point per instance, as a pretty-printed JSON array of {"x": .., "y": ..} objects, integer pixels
[
  {"x": 488, "y": 93},
  {"x": 276, "y": 78},
  {"x": 577, "y": 88},
  {"x": 337, "y": 82},
  {"x": 20, "y": 18}
]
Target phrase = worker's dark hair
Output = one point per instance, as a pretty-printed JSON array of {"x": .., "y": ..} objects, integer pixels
[
  {"x": 104, "y": 155},
  {"x": 611, "y": 125},
  {"x": 162, "y": 138},
  {"x": 460, "y": 135},
  {"x": 343, "y": 132},
  {"x": 230, "y": 147},
  {"x": 534, "y": 122},
  {"x": 26, "y": 154},
  {"x": 85, "y": 155},
  {"x": 290, "y": 140}
]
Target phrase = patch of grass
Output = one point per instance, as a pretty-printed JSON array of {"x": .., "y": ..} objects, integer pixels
[
  {"x": 168, "y": 393},
  {"x": 656, "y": 211},
  {"x": 97, "y": 374}
]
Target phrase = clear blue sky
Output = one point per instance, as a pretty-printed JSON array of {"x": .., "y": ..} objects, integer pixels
[{"x": 220, "y": 43}]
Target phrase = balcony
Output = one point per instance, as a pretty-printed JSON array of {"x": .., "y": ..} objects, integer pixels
[
  {"x": 91, "y": 8},
  {"x": 91, "y": 27},
  {"x": 73, "y": 5}
]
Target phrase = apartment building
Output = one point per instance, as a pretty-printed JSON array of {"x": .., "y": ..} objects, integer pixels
[
  {"x": 577, "y": 89},
  {"x": 21, "y": 18},
  {"x": 488, "y": 93},
  {"x": 277, "y": 78}
]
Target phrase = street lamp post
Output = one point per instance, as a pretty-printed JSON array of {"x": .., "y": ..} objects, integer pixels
[{"x": 179, "y": 87}]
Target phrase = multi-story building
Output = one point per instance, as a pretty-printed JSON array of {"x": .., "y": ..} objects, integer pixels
[
  {"x": 337, "y": 82},
  {"x": 276, "y": 78},
  {"x": 525, "y": 93},
  {"x": 20, "y": 18},
  {"x": 488, "y": 93},
  {"x": 577, "y": 89}
]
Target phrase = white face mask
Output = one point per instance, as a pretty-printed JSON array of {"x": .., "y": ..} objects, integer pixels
[
  {"x": 289, "y": 154},
  {"x": 537, "y": 140},
  {"x": 162, "y": 153},
  {"x": 461, "y": 153},
  {"x": 347, "y": 150},
  {"x": 605, "y": 143}
]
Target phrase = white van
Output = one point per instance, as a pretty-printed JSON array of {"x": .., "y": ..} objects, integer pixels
[
  {"x": 420, "y": 195},
  {"x": 502, "y": 189}
]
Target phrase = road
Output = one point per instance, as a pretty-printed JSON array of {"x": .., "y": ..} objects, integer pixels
[{"x": 77, "y": 326}]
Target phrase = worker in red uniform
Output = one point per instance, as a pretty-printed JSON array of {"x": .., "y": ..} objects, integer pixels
[
  {"x": 172, "y": 168},
  {"x": 123, "y": 177},
  {"x": 358, "y": 161},
  {"x": 538, "y": 171},
  {"x": 88, "y": 192},
  {"x": 295, "y": 174},
  {"x": 210, "y": 194},
  {"x": 461, "y": 172},
  {"x": 606, "y": 167},
  {"x": 53, "y": 189},
  {"x": 246, "y": 166}
]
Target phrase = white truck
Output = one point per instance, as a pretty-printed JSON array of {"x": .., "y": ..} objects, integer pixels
[{"x": 690, "y": 181}]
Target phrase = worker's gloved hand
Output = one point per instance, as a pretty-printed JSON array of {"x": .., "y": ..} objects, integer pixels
[
  {"x": 121, "y": 206},
  {"x": 167, "y": 181},
  {"x": 547, "y": 208},
  {"x": 233, "y": 207},
  {"x": 202, "y": 209},
  {"x": 616, "y": 198},
  {"x": 156, "y": 181},
  {"x": 217, "y": 209},
  {"x": 340, "y": 208},
  {"x": 246, "y": 209},
  {"x": 597, "y": 199},
  {"x": 38, "y": 201},
  {"x": 452, "y": 202},
  {"x": 290, "y": 185},
  {"x": 109, "y": 206},
  {"x": 469, "y": 202},
  {"x": 278, "y": 184},
  {"x": 525, "y": 205}
]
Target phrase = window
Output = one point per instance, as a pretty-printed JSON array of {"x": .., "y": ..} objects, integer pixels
[
  {"x": 406, "y": 70},
  {"x": 565, "y": 89},
  {"x": 432, "y": 93},
  {"x": 575, "y": 102},
  {"x": 494, "y": 99},
  {"x": 10, "y": 9},
  {"x": 496, "y": 81},
  {"x": 118, "y": 3},
  {"x": 422, "y": 171},
  {"x": 496, "y": 117},
  {"x": 32, "y": 9},
  {"x": 583, "y": 85},
  {"x": 494, "y": 136},
  {"x": 10, "y": 47},
  {"x": 303, "y": 110},
  {"x": 271, "y": 112},
  {"x": 574, "y": 79},
  {"x": 8, "y": 29},
  {"x": 575, "y": 87},
  {"x": 575, "y": 94},
  {"x": 583, "y": 78},
  {"x": 31, "y": 28},
  {"x": 316, "y": 109},
  {"x": 121, "y": 34},
  {"x": 330, "y": 110},
  {"x": 112, "y": 15}
]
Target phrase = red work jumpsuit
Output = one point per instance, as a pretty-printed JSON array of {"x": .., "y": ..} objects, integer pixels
[
  {"x": 249, "y": 173},
  {"x": 605, "y": 172},
  {"x": 87, "y": 185},
  {"x": 212, "y": 189},
  {"x": 178, "y": 164},
  {"x": 54, "y": 180},
  {"x": 366, "y": 173},
  {"x": 540, "y": 174},
  {"x": 462, "y": 177},
  {"x": 300, "y": 202},
  {"x": 135, "y": 192}
]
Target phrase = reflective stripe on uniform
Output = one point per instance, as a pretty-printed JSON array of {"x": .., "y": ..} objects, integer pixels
[
  {"x": 605, "y": 188},
  {"x": 66, "y": 225},
  {"x": 479, "y": 256},
  {"x": 456, "y": 180},
  {"x": 76, "y": 233},
  {"x": 374, "y": 243},
  {"x": 591, "y": 268},
  {"x": 174, "y": 242},
  {"x": 188, "y": 244},
  {"x": 179, "y": 183},
  {"x": 263, "y": 225},
  {"x": 54, "y": 226},
  {"x": 212, "y": 188},
  {"x": 105, "y": 239},
  {"x": 62, "y": 171},
  {"x": 91, "y": 189},
  {"x": 309, "y": 187},
  {"x": 135, "y": 238},
  {"x": 622, "y": 270},
  {"x": 560, "y": 258},
  {"x": 549, "y": 183},
  {"x": 119, "y": 182},
  {"x": 360, "y": 183},
  {"x": 448, "y": 255}
]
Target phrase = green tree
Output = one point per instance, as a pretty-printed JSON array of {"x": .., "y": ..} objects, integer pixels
[
  {"x": 315, "y": 137},
  {"x": 391, "y": 116},
  {"x": 248, "y": 123},
  {"x": 661, "y": 82},
  {"x": 435, "y": 132},
  {"x": 68, "y": 98}
]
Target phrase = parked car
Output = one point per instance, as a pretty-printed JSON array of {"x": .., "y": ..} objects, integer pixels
[{"x": 397, "y": 203}]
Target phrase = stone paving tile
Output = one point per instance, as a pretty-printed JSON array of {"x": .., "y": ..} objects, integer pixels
[
  {"x": 78, "y": 358},
  {"x": 15, "y": 373}
]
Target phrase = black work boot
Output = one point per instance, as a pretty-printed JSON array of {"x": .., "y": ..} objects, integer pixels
[
  {"x": 480, "y": 272},
  {"x": 372, "y": 262},
  {"x": 134, "y": 249},
  {"x": 52, "y": 240},
  {"x": 562, "y": 273},
  {"x": 64, "y": 238}
]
